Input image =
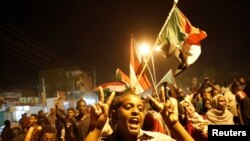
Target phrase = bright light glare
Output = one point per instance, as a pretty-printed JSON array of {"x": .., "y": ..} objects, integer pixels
[
  {"x": 158, "y": 48},
  {"x": 144, "y": 49},
  {"x": 89, "y": 100},
  {"x": 22, "y": 108}
]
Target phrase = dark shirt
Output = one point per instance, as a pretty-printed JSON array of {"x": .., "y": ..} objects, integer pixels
[
  {"x": 7, "y": 134},
  {"x": 70, "y": 129},
  {"x": 82, "y": 127},
  {"x": 43, "y": 120}
]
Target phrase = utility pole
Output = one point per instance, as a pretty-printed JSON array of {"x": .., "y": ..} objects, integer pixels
[{"x": 43, "y": 96}]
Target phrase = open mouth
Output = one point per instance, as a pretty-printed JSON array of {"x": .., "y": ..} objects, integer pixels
[{"x": 134, "y": 123}]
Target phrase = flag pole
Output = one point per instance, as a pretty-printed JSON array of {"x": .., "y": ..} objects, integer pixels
[
  {"x": 151, "y": 51},
  {"x": 153, "y": 77},
  {"x": 169, "y": 15},
  {"x": 153, "y": 65},
  {"x": 144, "y": 60}
]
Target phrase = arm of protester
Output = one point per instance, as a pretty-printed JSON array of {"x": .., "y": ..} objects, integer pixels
[
  {"x": 211, "y": 84},
  {"x": 200, "y": 89},
  {"x": 99, "y": 116},
  {"x": 171, "y": 119},
  {"x": 239, "y": 113},
  {"x": 60, "y": 116},
  {"x": 173, "y": 90},
  {"x": 30, "y": 132}
]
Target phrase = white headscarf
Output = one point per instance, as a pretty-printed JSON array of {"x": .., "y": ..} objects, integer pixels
[{"x": 218, "y": 117}]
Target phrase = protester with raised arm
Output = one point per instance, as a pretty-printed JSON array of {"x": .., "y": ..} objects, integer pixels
[{"x": 128, "y": 113}]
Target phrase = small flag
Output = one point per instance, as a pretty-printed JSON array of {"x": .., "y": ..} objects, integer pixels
[
  {"x": 112, "y": 86},
  {"x": 168, "y": 77},
  {"x": 136, "y": 67},
  {"x": 122, "y": 77}
]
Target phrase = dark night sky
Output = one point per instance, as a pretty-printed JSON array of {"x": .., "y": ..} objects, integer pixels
[{"x": 36, "y": 34}]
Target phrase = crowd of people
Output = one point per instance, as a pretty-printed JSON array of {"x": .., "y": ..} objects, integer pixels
[{"x": 162, "y": 116}]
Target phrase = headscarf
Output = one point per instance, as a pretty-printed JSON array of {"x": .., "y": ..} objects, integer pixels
[
  {"x": 218, "y": 117},
  {"x": 196, "y": 120},
  {"x": 214, "y": 101}
]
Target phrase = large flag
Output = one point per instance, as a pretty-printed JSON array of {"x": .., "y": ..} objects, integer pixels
[
  {"x": 138, "y": 79},
  {"x": 179, "y": 38}
]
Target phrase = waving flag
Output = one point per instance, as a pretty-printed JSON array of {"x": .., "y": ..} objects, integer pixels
[
  {"x": 168, "y": 77},
  {"x": 112, "y": 86},
  {"x": 122, "y": 77},
  {"x": 179, "y": 38},
  {"x": 136, "y": 67}
]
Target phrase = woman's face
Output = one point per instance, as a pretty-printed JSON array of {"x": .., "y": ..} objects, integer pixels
[
  {"x": 130, "y": 115},
  {"x": 188, "y": 109},
  {"x": 221, "y": 103}
]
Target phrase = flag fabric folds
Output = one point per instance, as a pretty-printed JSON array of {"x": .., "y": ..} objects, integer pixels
[
  {"x": 168, "y": 77},
  {"x": 122, "y": 77},
  {"x": 170, "y": 83},
  {"x": 138, "y": 83},
  {"x": 112, "y": 86},
  {"x": 179, "y": 38}
]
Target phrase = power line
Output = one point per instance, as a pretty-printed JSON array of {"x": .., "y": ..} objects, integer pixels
[{"x": 34, "y": 48}]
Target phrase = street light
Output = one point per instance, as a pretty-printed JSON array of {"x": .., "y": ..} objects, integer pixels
[{"x": 144, "y": 49}]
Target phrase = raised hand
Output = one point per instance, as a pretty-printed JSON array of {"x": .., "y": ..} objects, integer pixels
[
  {"x": 165, "y": 107},
  {"x": 28, "y": 136},
  {"x": 167, "y": 110},
  {"x": 99, "y": 111}
]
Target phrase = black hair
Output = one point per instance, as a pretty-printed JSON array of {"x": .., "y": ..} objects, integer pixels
[
  {"x": 47, "y": 129},
  {"x": 117, "y": 102},
  {"x": 34, "y": 115},
  {"x": 247, "y": 88},
  {"x": 71, "y": 109},
  {"x": 40, "y": 111},
  {"x": 79, "y": 101},
  {"x": 7, "y": 123}
]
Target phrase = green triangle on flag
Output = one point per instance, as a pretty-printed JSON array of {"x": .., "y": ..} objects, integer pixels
[{"x": 168, "y": 77}]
